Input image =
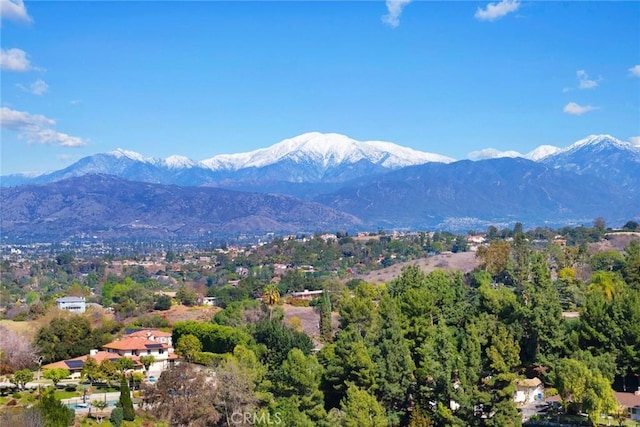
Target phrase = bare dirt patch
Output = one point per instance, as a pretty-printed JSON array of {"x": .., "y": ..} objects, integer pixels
[
  {"x": 462, "y": 261},
  {"x": 179, "y": 313},
  {"x": 309, "y": 320},
  {"x": 615, "y": 241}
]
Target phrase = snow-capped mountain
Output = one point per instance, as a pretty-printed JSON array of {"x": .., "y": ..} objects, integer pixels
[
  {"x": 492, "y": 153},
  {"x": 382, "y": 184},
  {"x": 326, "y": 150},
  {"x": 603, "y": 156},
  {"x": 309, "y": 158},
  {"x": 320, "y": 160},
  {"x": 541, "y": 152}
]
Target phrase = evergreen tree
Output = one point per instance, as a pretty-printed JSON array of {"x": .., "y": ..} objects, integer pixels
[
  {"x": 394, "y": 374},
  {"x": 362, "y": 409},
  {"x": 326, "y": 328},
  {"x": 125, "y": 401},
  {"x": 54, "y": 413}
]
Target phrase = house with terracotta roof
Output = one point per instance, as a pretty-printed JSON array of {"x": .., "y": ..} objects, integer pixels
[
  {"x": 76, "y": 364},
  {"x": 132, "y": 347},
  {"x": 135, "y": 347},
  {"x": 151, "y": 334}
]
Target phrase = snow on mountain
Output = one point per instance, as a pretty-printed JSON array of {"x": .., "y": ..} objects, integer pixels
[
  {"x": 178, "y": 162},
  {"x": 330, "y": 149},
  {"x": 541, "y": 152},
  {"x": 597, "y": 141},
  {"x": 132, "y": 155},
  {"x": 492, "y": 153}
]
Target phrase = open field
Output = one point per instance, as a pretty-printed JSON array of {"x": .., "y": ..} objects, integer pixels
[
  {"x": 463, "y": 261},
  {"x": 27, "y": 328}
]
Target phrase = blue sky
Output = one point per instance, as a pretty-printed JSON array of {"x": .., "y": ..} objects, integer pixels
[{"x": 207, "y": 77}]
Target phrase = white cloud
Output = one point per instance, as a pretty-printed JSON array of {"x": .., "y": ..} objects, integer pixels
[
  {"x": 14, "y": 10},
  {"x": 497, "y": 10},
  {"x": 14, "y": 60},
  {"x": 635, "y": 70},
  {"x": 577, "y": 110},
  {"x": 635, "y": 141},
  {"x": 39, "y": 87},
  {"x": 491, "y": 153},
  {"x": 584, "y": 82},
  {"x": 36, "y": 128},
  {"x": 394, "y": 8}
]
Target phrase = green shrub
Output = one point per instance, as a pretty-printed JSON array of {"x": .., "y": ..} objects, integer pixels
[
  {"x": 17, "y": 395},
  {"x": 117, "y": 416}
]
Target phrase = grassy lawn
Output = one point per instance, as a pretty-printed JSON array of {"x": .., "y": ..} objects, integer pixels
[{"x": 62, "y": 394}]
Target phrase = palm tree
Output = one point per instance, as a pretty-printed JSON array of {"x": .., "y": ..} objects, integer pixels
[{"x": 271, "y": 297}]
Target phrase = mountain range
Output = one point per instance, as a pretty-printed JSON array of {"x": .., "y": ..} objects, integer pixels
[{"x": 337, "y": 183}]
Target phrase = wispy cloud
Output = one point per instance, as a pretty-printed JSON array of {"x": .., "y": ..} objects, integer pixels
[
  {"x": 577, "y": 110},
  {"x": 584, "y": 82},
  {"x": 394, "y": 8},
  {"x": 635, "y": 70},
  {"x": 14, "y": 60},
  {"x": 36, "y": 128},
  {"x": 635, "y": 141},
  {"x": 497, "y": 10},
  {"x": 14, "y": 10},
  {"x": 39, "y": 87}
]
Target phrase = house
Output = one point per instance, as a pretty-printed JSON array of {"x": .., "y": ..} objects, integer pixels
[
  {"x": 151, "y": 334},
  {"x": 528, "y": 390},
  {"x": 210, "y": 301},
  {"x": 134, "y": 347},
  {"x": 76, "y": 364},
  {"x": 631, "y": 401},
  {"x": 307, "y": 294},
  {"x": 72, "y": 304}
]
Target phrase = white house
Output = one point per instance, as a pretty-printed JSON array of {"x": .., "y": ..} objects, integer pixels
[
  {"x": 528, "y": 390},
  {"x": 135, "y": 347},
  {"x": 72, "y": 304}
]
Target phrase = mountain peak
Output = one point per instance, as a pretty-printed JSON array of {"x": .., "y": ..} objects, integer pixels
[
  {"x": 120, "y": 153},
  {"x": 177, "y": 162},
  {"x": 541, "y": 152},
  {"x": 594, "y": 140},
  {"x": 326, "y": 150}
]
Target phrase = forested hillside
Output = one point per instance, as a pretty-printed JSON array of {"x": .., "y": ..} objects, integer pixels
[{"x": 443, "y": 348}]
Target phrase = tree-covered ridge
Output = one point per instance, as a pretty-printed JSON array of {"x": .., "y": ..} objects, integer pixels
[
  {"x": 443, "y": 348},
  {"x": 446, "y": 349}
]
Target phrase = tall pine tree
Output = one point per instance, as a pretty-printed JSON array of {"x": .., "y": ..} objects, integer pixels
[{"x": 125, "y": 401}]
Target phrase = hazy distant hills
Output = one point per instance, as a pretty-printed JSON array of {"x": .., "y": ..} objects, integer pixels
[
  {"x": 500, "y": 190},
  {"x": 357, "y": 185},
  {"x": 110, "y": 207}
]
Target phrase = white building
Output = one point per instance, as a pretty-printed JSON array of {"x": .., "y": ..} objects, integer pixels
[
  {"x": 72, "y": 304},
  {"x": 528, "y": 390}
]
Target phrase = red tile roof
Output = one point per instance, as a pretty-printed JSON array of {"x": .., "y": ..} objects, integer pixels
[
  {"x": 77, "y": 363},
  {"x": 135, "y": 343}
]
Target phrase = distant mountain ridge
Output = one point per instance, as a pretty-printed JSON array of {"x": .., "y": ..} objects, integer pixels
[
  {"x": 110, "y": 207},
  {"x": 351, "y": 184},
  {"x": 311, "y": 157}
]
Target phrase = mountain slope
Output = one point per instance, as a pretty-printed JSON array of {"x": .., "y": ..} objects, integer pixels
[
  {"x": 601, "y": 156},
  {"x": 111, "y": 207},
  {"x": 496, "y": 190}
]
